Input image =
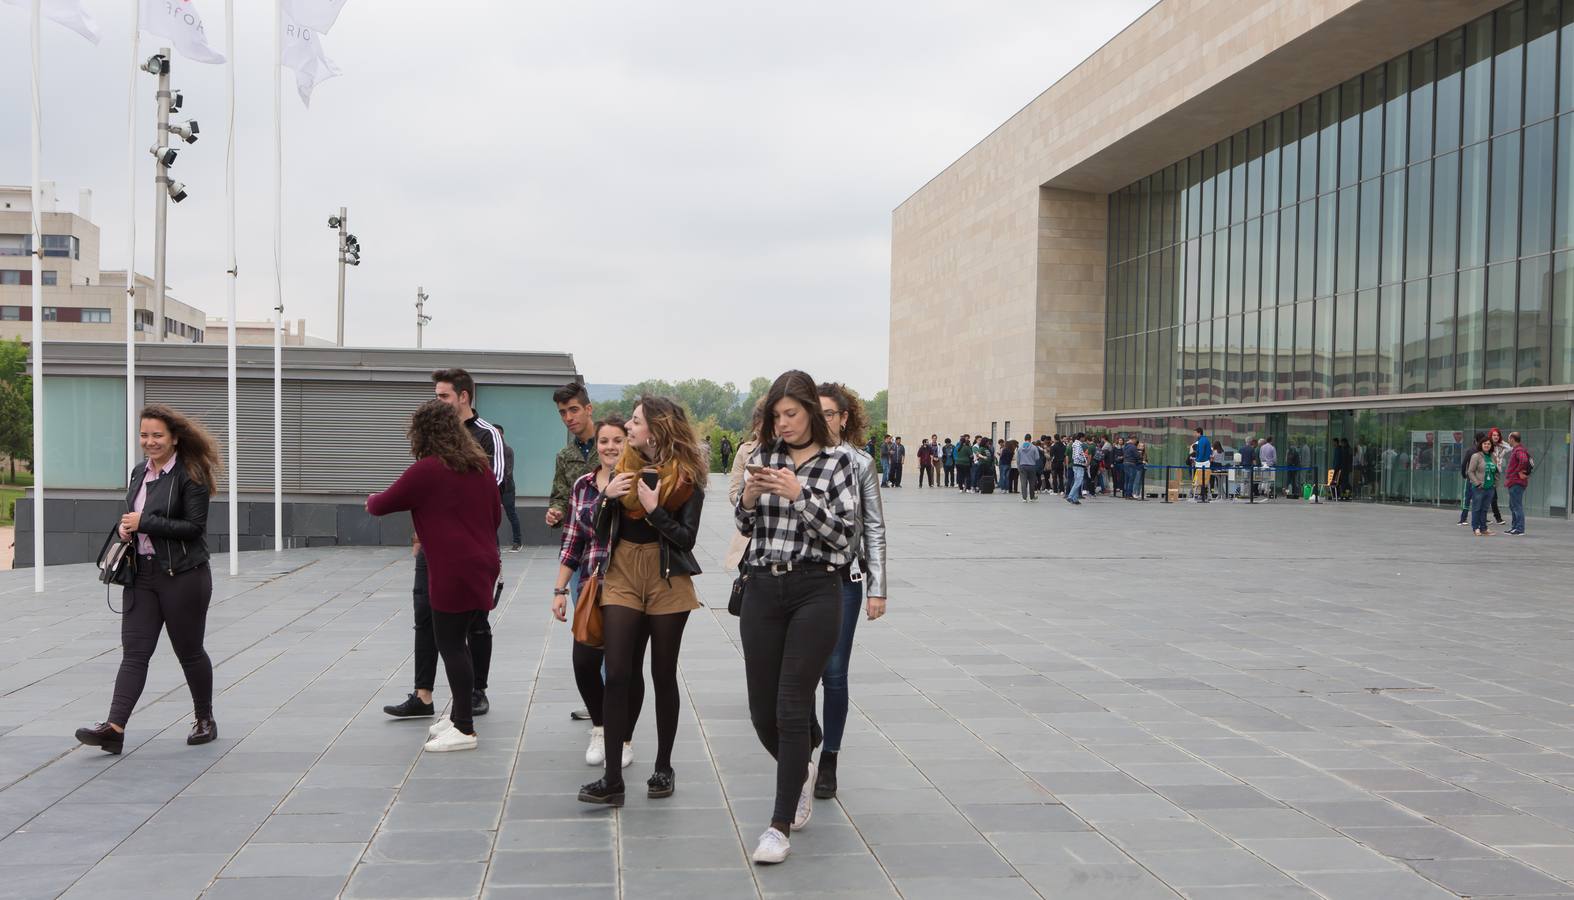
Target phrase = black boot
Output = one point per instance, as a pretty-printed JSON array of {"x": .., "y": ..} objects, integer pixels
[
  {"x": 661, "y": 784},
  {"x": 411, "y": 708},
  {"x": 203, "y": 731},
  {"x": 599, "y": 791},
  {"x": 102, "y": 736},
  {"x": 825, "y": 782}
]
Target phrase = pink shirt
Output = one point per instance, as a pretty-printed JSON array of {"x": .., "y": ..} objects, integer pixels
[{"x": 145, "y": 543}]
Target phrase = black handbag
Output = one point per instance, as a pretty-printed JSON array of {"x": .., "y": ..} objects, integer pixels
[
  {"x": 735, "y": 602},
  {"x": 115, "y": 562}
]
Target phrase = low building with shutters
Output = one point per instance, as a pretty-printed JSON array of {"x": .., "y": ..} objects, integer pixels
[{"x": 345, "y": 411}]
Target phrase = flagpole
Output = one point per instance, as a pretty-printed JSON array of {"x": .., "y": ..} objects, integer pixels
[
  {"x": 133, "y": 427},
  {"x": 278, "y": 278},
  {"x": 234, "y": 274},
  {"x": 38, "y": 312}
]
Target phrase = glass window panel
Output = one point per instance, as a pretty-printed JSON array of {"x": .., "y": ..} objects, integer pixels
[
  {"x": 1221, "y": 272},
  {"x": 1503, "y": 229},
  {"x": 1167, "y": 214},
  {"x": 1508, "y": 71},
  {"x": 1237, "y": 263},
  {"x": 1445, "y": 213},
  {"x": 1144, "y": 200},
  {"x": 1413, "y": 369},
  {"x": 1252, "y": 286},
  {"x": 1473, "y": 206},
  {"x": 1501, "y": 290},
  {"x": 1350, "y": 132},
  {"x": 1232, "y": 359},
  {"x": 1270, "y": 164},
  {"x": 1137, "y": 318},
  {"x": 1440, "y": 342},
  {"x": 1393, "y": 226},
  {"x": 1372, "y": 123},
  {"x": 1287, "y": 230},
  {"x": 1210, "y": 186},
  {"x": 1152, "y": 298},
  {"x": 1478, "y": 79},
  {"x": 1327, "y": 233},
  {"x": 1419, "y": 242},
  {"x": 1349, "y": 222},
  {"x": 1369, "y": 253},
  {"x": 1539, "y": 191},
  {"x": 1251, "y": 357},
  {"x": 1423, "y": 70},
  {"x": 1265, "y": 353},
  {"x": 1566, "y": 61},
  {"x": 1221, "y": 181},
  {"x": 1270, "y": 259},
  {"x": 1328, "y": 143},
  {"x": 1111, "y": 372},
  {"x": 1168, "y": 295},
  {"x": 1366, "y": 344},
  {"x": 1306, "y": 253},
  {"x": 1254, "y": 170},
  {"x": 1284, "y": 378},
  {"x": 1450, "y": 66},
  {"x": 1564, "y": 226},
  {"x": 1238, "y": 178},
  {"x": 1216, "y": 374},
  {"x": 1290, "y": 156},
  {"x": 1193, "y": 206},
  {"x": 1152, "y": 361},
  {"x": 1309, "y": 126},
  {"x": 1396, "y": 117},
  {"x": 1323, "y": 351},
  {"x": 1563, "y": 318},
  {"x": 1541, "y": 59},
  {"x": 1344, "y": 345},
  {"x": 1190, "y": 278},
  {"x": 1535, "y": 293},
  {"x": 1390, "y": 311},
  {"x": 1304, "y": 345},
  {"x": 1470, "y": 326},
  {"x": 1203, "y": 361},
  {"x": 1205, "y": 279}
]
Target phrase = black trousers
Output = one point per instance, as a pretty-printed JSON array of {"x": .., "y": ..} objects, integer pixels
[
  {"x": 157, "y": 601},
  {"x": 1057, "y": 478},
  {"x": 452, "y": 632},
  {"x": 512, "y": 514},
  {"x": 479, "y": 641},
  {"x": 789, "y": 628},
  {"x": 950, "y": 476},
  {"x": 896, "y": 475}
]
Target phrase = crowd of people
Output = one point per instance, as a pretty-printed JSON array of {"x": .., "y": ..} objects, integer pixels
[
  {"x": 1491, "y": 464},
  {"x": 1073, "y": 466}
]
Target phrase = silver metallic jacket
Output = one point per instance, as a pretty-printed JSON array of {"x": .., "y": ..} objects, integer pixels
[{"x": 869, "y": 533}]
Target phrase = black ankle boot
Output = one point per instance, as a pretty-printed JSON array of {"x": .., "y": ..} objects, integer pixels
[
  {"x": 600, "y": 791},
  {"x": 203, "y": 731},
  {"x": 661, "y": 784},
  {"x": 825, "y": 782},
  {"x": 102, "y": 736}
]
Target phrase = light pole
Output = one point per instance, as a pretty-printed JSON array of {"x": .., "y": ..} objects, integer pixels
[
  {"x": 349, "y": 255},
  {"x": 165, "y": 189},
  {"x": 421, "y": 318}
]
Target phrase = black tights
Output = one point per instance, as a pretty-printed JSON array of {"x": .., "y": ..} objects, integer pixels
[
  {"x": 587, "y": 677},
  {"x": 626, "y": 631},
  {"x": 451, "y": 631}
]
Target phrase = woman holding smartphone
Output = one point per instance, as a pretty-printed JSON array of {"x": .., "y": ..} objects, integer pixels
[
  {"x": 648, "y": 519},
  {"x": 799, "y": 508},
  {"x": 581, "y": 553}
]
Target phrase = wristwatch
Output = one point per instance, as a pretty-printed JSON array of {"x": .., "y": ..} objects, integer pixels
[{"x": 560, "y": 592}]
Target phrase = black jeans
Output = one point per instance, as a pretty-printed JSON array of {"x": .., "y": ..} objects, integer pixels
[
  {"x": 950, "y": 476},
  {"x": 480, "y": 638},
  {"x": 178, "y": 604},
  {"x": 450, "y": 630},
  {"x": 789, "y": 628},
  {"x": 896, "y": 475},
  {"x": 512, "y": 514}
]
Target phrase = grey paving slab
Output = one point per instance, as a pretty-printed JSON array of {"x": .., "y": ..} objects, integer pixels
[{"x": 1320, "y": 713}]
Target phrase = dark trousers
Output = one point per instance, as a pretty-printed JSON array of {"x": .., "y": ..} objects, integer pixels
[
  {"x": 157, "y": 601},
  {"x": 835, "y": 678},
  {"x": 479, "y": 641},
  {"x": 512, "y": 515},
  {"x": 789, "y": 628},
  {"x": 896, "y": 475},
  {"x": 1057, "y": 478},
  {"x": 950, "y": 475},
  {"x": 926, "y": 470},
  {"x": 451, "y": 632}
]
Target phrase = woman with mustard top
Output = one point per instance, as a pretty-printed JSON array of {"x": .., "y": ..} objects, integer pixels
[{"x": 649, "y": 518}]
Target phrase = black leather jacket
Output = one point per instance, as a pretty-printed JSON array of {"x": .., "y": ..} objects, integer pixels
[
  {"x": 174, "y": 516},
  {"x": 675, "y": 532}
]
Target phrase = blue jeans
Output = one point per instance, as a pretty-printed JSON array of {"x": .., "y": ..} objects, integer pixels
[
  {"x": 972, "y": 479},
  {"x": 1079, "y": 474},
  {"x": 1480, "y": 501},
  {"x": 835, "y": 678},
  {"x": 1465, "y": 507},
  {"x": 1516, "y": 507},
  {"x": 1130, "y": 476}
]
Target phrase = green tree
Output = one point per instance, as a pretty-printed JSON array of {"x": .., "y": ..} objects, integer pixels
[
  {"x": 875, "y": 407},
  {"x": 16, "y": 404}
]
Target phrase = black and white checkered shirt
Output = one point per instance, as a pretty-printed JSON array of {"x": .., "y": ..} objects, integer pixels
[{"x": 818, "y": 526}]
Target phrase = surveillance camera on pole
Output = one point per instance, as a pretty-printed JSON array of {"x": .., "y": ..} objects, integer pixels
[
  {"x": 349, "y": 255},
  {"x": 187, "y": 132},
  {"x": 166, "y": 189}
]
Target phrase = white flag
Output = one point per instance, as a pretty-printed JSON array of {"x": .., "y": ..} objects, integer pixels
[
  {"x": 68, "y": 13},
  {"x": 318, "y": 15},
  {"x": 179, "y": 21},
  {"x": 302, "y": 51}
]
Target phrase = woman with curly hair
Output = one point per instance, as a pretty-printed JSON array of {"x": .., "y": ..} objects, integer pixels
[
  {"x": 451, "y": 494},
  {"x": 172, "y": 584},
  {"x": 648, "y": 519}
]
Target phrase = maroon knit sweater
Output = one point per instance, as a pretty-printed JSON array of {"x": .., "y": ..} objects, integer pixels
[{"x": 456, "y": 517}]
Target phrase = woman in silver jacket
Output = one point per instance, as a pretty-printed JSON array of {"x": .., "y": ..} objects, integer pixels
[{"x": 844, "y": 415}]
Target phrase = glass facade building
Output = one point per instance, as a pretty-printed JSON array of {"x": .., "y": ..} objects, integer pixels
[{"x": 1407, "y": 232}]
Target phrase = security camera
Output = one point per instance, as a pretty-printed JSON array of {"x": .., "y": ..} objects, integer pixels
[
  {"x": 157, "y": 64},
  {"x": 177, "y": 191},
  {"x": 176, "y": 101},
  {"x": 164, "y": 155},
  {"x": 187, "y": 133},
  {"x": 333, "y": 221},
  {"x": 352, "y": 260},
  {"x": 350, "y": 239}
]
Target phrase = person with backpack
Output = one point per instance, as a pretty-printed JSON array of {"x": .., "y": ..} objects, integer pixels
[{"x": 1520, "y": 465}]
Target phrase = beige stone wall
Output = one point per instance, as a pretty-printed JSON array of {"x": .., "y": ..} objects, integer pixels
[{"x": 985, "y": 269}]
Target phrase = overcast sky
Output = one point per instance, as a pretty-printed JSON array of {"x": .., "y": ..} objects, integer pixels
[{"x": 666, "y": 190}]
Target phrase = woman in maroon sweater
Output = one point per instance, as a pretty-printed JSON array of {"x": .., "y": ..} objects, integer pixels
[{"x": 451, "y": 494}]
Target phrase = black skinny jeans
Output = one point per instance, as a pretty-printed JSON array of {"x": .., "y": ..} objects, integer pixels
[
  {"x": 450, "y": 631},
  {"x": 178, "y": 604},
  {"x": 480, "y": 638},
  {"x": 789, "y": 628}
]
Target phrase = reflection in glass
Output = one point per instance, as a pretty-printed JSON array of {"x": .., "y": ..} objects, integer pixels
[
  {"x": 1232, "y": 360},
  {"x": 1267, "y": 353},
  {"x": 1370, "y": 253},
  {"x": 1306, "y": 252},
  {"x": 1396, "y": 115},
  {"x": 1566, "y": 61},
  {"x": 1390, "y": 312},
  {"x": 1350, "y": 132},
  {"x": 1237, "y": 263},
  {"x": 1419, "y": 223},
  {"x": 1470, "y": 325},
  {"x": 1253, "y": 252},
  {"x": 1445, "y": 214},
  {"x": 1205, "y": 279},
  {"x": 1423, "y": 69},
  {"x": 1366, "y": 343},
  {"x": 1563, "y": 318},
  {"x": 1270, "y": 164},
  {"x": 1327, "y": 235},
  {"x": 1344, "y": 344},
  {"x": 1538, "y": 197},
  {"x": 1250, "y": 359},
  {"x": 1500, "y": 325},
  {"x": 1393, "y": 227},
  {"x": 1254, "y": 170},
  {"x": 1328, "y": 143},
  {"x": 1349, "y": 223},
  {"x": 1541, "y": 59},
  {"x": 1309, "y": 126},
  {"x": 1323, "y": 349},
  {"x": 1209, "y": 186},
  {"x": 1305, "y": 339},
  {"x": 1478, "y": 79},
  {"x": 1503, "y": 229},
  {"x": 1270, "y": 259},
  {"x": 1284, "y": 355},
  {"x": 1440, "y": 363},
  {"x": 1535, "y": 291},
  {"x": 1473, "y": 206},
  {"x": 1508, "y": 72},
  {"x": 1450, "y": 65},
  {"x": 1238, "y": 178},
  {"x": 1372, "y": 123},
  {"x": 1413, "y": 369}
]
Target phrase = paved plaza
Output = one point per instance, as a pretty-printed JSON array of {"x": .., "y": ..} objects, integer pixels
[{"x": 1122, "y": 700}]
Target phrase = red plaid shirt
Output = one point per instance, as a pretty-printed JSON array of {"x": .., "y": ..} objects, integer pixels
[{"x": 580, "y": 550}]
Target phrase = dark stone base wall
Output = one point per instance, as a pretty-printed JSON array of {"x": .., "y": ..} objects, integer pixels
[{"x": 75, "y": 530}]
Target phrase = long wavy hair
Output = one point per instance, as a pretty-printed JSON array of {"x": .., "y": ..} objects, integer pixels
[
  {"x": 197, "y": 449},
  {"x": 435, "y": 430},
  {"x": 673, "y": 438},
  {"x": 848, "y": 401}
]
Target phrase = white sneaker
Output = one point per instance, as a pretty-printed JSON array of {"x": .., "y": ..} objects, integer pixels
[
  {"x": 772, "y": 848},
  {"x": 628, "y": 753},
  {"x": 596, "y": 753},
  {"x": 452, "y": 739},
  {"x": 805, "y": 801},
  {"x": 439, "y": 727}
]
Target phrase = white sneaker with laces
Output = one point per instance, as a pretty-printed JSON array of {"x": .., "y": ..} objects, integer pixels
[
  {"x": 439, "y": 727},
  {"x": 805, "y": 801},
  {"x": 628, "y": 753},
  {"x": 773, "y": 847},
  {"x": 452, "y": 739},
  {"x": 596, "y": 753}
]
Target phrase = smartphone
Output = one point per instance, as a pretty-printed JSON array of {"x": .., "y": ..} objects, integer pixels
[
  {"x": 651, "y": 479},
  {"x": 753, "y": 469}
]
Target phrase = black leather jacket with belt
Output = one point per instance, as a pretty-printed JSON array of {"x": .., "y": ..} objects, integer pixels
[
  {"x": 174, "y": 517},
  {"x": 676, "y": 532}
]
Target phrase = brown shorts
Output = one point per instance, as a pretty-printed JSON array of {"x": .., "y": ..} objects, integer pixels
[{"x": 634, "y": 580}]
